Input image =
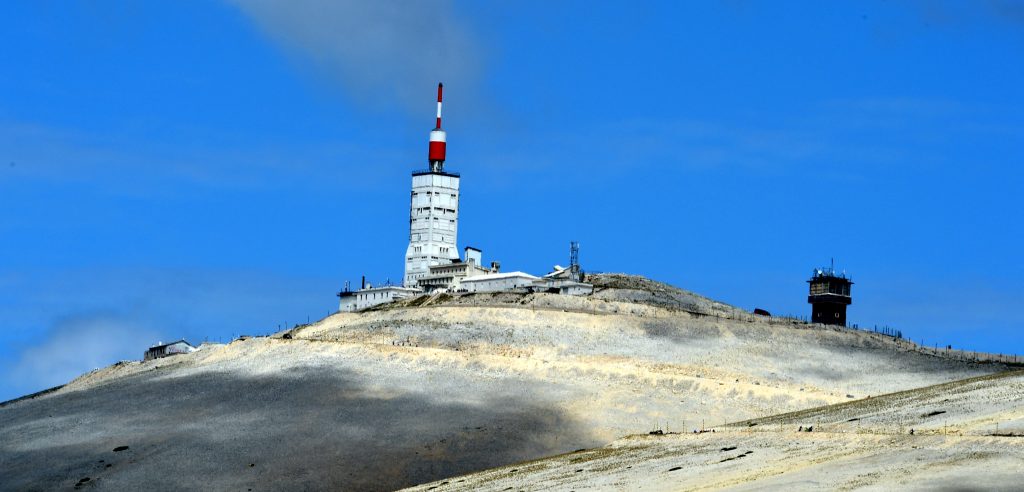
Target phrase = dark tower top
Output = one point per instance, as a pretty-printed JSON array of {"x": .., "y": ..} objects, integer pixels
[{"x": 829, "y": 295}]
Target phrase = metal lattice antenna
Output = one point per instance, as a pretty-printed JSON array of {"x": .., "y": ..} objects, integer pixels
[{"x": 574, "y": 260}]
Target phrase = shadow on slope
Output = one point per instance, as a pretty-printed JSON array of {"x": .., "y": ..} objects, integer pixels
[
  {"x": 984, "y": 398},
  {"x": 297, "y": 430}
]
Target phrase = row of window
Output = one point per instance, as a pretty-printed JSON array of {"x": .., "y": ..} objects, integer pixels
[
  {"x": 436, "y": 219},
  {"x": 414, "y": 258},
  {"x": 383, "y": 295},
  {"x": 830, "y": 288},
  {"x": 419, "y": 249},
  {"x": 433, "y": 193},
  {"x": 415, "y": 238},
  {"x": 426, "y": 199},
  {"x": 424, "y": 224},
  {"x": 426, "y": 210}
]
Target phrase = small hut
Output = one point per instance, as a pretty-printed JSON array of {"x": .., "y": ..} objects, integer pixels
[{"x": 164, "y": 350}]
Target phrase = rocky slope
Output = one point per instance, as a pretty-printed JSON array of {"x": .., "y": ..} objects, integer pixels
[
  {"x": 440, "y": 386},
  {"x": 968, "y": 435}
]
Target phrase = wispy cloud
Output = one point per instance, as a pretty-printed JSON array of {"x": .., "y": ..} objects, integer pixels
[
  {"x": 133, "y": 167},
  {"x": 49, "y": 338},
  {"x": 1011, "y": 10},
  {"x": 378, "y": 50},
  {"x": 75, "y": 346},
  {"x": 845, "y": 137},
  {"x": 952, "y": 12}
]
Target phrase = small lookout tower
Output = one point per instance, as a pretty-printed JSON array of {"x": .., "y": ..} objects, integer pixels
[{"x": 829, "y": 295}]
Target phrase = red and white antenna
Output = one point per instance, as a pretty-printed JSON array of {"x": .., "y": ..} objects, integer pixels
[
  {"x": 438, "y": 138},
  {"x": 440, "y": 87}
]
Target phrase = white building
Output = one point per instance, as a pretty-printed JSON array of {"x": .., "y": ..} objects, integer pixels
[
  {"x": 494, "y": 282},
  {"x": 348, "y": 301},
  {"x": 167, "y": 349},
  {"x": 433, "y": 223},
  {"x": 561, "y": 281},
  {"x": 368, "y": 296},
  {"x": 449, "y": 277},
  {"x": 433, "y": 210},
  {"x": 432, "y": 261},
  {"x": 372, "y": 296},
  {"x": 562, "y": 286}
]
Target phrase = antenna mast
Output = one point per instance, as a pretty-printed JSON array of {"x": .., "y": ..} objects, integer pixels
[
  {"x": 438, "y": 139},
  {"x": 574, "y": 262}
]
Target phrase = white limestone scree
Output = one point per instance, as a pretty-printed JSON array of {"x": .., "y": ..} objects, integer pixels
[{"x": 433, "y": 223}]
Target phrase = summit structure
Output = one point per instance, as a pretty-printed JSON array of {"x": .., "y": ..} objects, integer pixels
[
  {"x": 829, "y": 295},
  {"x": 433, "y": 210},
  {"x": 432, "y": 262}
]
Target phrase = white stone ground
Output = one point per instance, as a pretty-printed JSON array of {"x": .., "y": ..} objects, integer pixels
[
  {"x": 967, "y": 436},
  {"x": 440, "y": 387}
]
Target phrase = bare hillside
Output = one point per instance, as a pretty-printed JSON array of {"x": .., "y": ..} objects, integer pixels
[
  {"x": 967, "y": 435},
  {"x": 985, "y": 405},
  {"x": 440, "y": 386}
]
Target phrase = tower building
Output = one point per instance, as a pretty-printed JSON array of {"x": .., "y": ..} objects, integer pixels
[
  {"x": 433, "y": 210},
  {"x": 829, "y": 295}
]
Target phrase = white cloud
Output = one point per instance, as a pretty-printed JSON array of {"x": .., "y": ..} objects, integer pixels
[
  {"x": 75, "y": 346},
  {"x": 378, "y": 50},
  {"x": 125, "y": 310}
]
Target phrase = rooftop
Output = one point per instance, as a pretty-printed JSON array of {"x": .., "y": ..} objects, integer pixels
[
  {"x": 162, "y": 345},
  {"x": 498, "y": 276},
  {"x": 423, "y": 172},
  {"x": 829, "y": 272},
  {"x": 389, "y": 287}
]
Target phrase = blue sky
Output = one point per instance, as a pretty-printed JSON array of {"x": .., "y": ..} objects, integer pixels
[{"x": 203, "y": 169}]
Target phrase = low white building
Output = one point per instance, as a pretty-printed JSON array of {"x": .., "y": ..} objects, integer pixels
[
  {"x": 167, "y": 349},
  {"x": 576, "y": 289},
  {"x": 348, "y": 301},
  {"x": 563, "y": 286},
  {"x": 372, "y": 296},
  {"x": 494, "y": 282},
  {"x": 448, "y": 276},
  {"x": 561, "y": 281}
]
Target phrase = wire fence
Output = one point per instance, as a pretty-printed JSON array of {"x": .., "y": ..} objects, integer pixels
[
  {"x": 894, "y": 336},
  {"x": 890, "y": 334}
]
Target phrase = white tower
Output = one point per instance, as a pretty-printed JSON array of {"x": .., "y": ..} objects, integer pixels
[{"x": 433, "y": 211}]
